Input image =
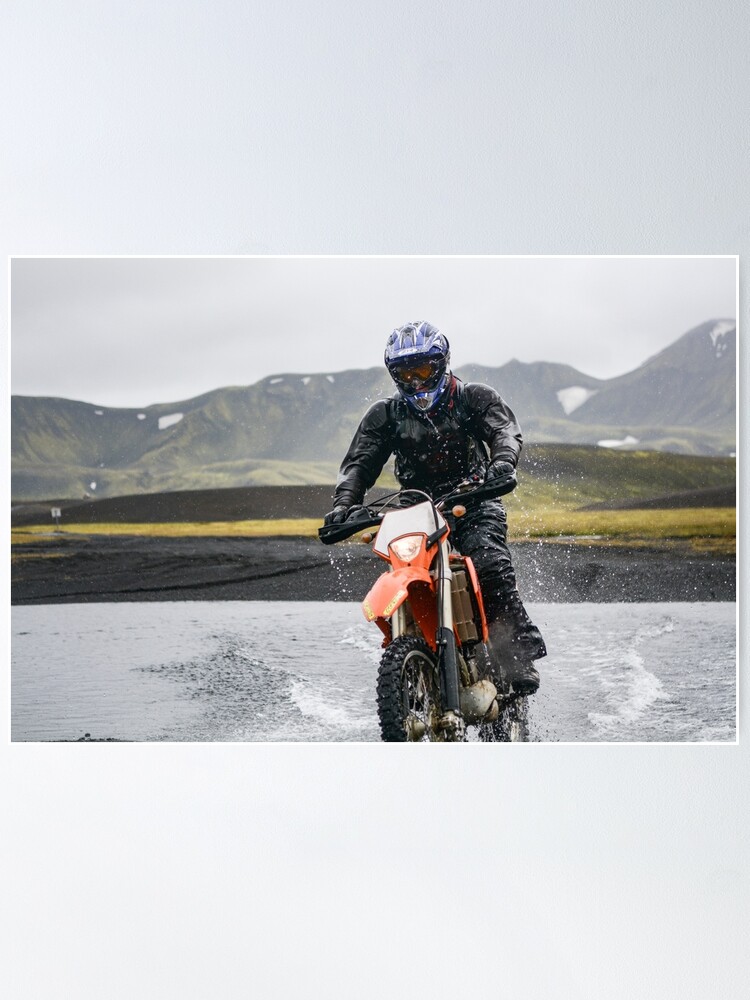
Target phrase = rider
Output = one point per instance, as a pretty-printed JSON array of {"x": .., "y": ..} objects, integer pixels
[{"x": 443, "y": 431}]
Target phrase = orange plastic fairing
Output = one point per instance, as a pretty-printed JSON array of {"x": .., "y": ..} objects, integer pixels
[
  {"x": 477, "y": 595},
  {"x": 392, "y": 589}
]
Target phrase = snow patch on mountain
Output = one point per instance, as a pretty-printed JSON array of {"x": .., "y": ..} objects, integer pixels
[
  {"x": 330, "y": 378},
  {"x": 718, "y": 333},
  {"x": 141, "y": 416},
  {"x": 306, "y": 380},
  {"x": 611, "y": 443},
  {"x": 99, "y": 413},
  {"x": 573, "y": 397},
  {"x": 172, "y": 418},
  {"x": 275, "y": 381}
]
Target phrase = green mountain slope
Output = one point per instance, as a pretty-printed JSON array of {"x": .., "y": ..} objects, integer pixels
[{"x": 294, "y": 428}]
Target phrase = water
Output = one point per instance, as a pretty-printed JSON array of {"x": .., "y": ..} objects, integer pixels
[{"x": 305, "y": 671}]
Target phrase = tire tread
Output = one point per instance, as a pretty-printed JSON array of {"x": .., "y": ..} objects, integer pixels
[{"x": 389, "y": 689}]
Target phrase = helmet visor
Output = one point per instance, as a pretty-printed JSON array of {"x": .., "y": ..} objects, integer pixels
[{"x": 417, "y": 375}]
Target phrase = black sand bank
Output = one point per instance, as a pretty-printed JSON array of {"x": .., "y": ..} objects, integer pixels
[{"x": 78, "y": 568}]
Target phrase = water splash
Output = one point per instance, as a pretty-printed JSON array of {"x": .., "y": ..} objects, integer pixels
[
  {"x": 630, "y": 688},
  {"x": 366, "y": 639},
  {"x": 263, "y": 671}
]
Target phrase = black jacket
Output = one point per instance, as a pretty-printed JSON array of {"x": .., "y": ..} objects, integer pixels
[{"x": 434, "y": 451}]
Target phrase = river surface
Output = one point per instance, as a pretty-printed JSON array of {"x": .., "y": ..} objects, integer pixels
[{"x": 305, "y": 671}]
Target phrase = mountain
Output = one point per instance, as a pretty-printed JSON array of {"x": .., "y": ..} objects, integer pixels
[
  {"x": 294, "y": 428},
  {"x": 690, "y": 384}
]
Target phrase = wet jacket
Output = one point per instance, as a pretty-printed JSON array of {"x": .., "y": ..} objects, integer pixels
[{"x": 434, "y": 451}]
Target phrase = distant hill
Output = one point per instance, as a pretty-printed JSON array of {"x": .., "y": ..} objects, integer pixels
[
  {"x": 292, "y": 429},
  {"x": 551, "y": 475}
]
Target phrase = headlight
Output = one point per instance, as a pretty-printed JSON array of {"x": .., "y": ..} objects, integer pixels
[{"x": 406, "y": 548}]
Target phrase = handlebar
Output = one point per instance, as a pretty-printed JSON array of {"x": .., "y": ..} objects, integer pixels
[
  {"x": 329, "y": 534},
  {"x": 467, "y": 494}
]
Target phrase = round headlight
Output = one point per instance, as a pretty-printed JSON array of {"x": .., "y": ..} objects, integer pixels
[{"x": 406, "y": 548}]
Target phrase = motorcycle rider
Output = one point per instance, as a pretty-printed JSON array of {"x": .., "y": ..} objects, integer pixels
[{"x": 443, "y": 431}]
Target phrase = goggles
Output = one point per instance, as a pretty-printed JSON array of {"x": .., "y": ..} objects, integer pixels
[{"x": 418, "y": 375}]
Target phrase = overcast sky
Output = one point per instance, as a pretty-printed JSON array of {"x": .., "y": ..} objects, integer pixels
[{"x": 130, "y": 332}]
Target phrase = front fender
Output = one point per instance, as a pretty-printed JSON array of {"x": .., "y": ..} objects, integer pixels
[{"x": 391, "y": 590}]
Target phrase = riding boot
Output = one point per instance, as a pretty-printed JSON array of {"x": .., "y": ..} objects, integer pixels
[
  {"x": 527, "y": 636},
  {"x": 514, "y": 643},
  {"x": 515, "y": 671}
]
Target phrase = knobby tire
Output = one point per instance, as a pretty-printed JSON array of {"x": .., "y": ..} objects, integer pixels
[{"x": 407, "y": 652}]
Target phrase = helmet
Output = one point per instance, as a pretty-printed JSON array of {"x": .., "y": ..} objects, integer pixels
[{"x": 417, "y": 357}]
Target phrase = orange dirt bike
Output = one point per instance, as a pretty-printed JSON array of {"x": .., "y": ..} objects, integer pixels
[{"x": 435, "y": 676}]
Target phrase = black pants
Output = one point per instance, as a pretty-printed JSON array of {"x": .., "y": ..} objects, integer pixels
[{"x": 481, "y": 534}]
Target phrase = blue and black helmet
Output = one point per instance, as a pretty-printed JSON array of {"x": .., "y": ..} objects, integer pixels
[{"x": 417, "y": 357}]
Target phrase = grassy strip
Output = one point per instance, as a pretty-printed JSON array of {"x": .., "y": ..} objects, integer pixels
[
  {"x": 690, "y": 522},
  {"x": 625, "y": 525},
  {"x": 17, "y": 557},
  {"x": 182, "y": 529}
]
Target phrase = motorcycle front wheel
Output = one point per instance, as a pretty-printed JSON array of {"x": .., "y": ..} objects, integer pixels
[{"x": 408, "y": 692}]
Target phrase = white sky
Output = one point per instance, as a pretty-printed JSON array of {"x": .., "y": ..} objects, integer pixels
[{"x": 130, "y": 332}]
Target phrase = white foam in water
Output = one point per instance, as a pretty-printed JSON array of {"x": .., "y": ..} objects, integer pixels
[
  {"x": 636, "y": 691},
  {"x": 633, "y": 689},
  {"x": 307, "y": 671},
  {"x": 364, "y": 641},
  {"x": 319, "y": 705}
]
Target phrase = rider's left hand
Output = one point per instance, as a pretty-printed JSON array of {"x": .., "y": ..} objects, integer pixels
[{"x": 499, "y": 470}]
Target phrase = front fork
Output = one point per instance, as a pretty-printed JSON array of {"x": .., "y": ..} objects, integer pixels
[{"x": 446, "y": 639}]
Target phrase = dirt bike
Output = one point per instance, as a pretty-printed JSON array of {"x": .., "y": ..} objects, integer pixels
[{"x": 435, "y": 676}]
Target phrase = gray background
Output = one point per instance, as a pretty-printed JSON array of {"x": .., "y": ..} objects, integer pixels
[{"x": 170, "y": 871}]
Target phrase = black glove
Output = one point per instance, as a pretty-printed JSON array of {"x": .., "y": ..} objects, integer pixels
[
  {"x": 499, "y": 470},
  {"x": 336, "y": 516}
]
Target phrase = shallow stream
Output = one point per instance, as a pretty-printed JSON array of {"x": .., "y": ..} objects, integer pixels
[{"x": 305, "y": 671}]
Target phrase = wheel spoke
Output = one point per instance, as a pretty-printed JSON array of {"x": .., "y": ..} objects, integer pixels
[
  {"x": 417, "y": 701},
  {"x": 408, "y": 700}
]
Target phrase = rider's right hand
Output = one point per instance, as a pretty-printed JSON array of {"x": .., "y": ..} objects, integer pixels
[{"x": 336, "y": 516}]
